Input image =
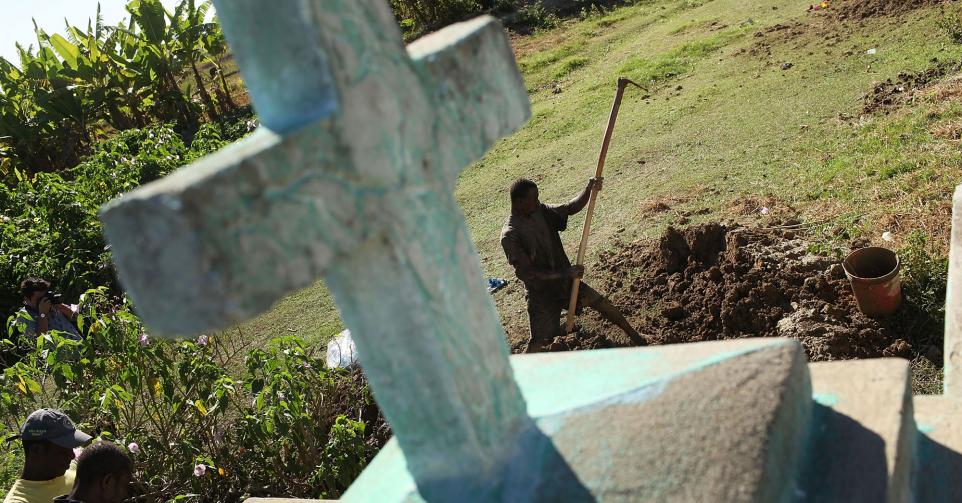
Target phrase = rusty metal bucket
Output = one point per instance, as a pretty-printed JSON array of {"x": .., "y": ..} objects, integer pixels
[{"x": 874, "y": 275}]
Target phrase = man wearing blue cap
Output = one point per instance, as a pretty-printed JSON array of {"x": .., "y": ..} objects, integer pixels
[{"x": 49, "y": 438}]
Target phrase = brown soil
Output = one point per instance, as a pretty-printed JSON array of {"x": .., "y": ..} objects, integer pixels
[
  {"x": 711, "y": 282},
  {"x": 864, "y": 9},
  {"x": 890, "y": 95}
]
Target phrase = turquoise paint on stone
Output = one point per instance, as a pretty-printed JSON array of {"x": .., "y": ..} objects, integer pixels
[
  {"x": 570, "y": 381},
  {"x": 826, "y": 399},
  {"x": 582, "y": 440},
  {"x": 926, "y": 428},
  {"x": 351, "y": 179}
]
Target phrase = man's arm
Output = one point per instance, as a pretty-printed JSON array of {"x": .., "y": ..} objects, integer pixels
[
  {"x": 68, "y": 310},
  {"x": 43, "y": 321},
  {"x": 578, "y": 203}
]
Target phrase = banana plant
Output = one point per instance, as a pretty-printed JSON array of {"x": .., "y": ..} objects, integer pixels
[
  {"x": 156, "y": 53},
  {"x": 215, "y": 48},
  {"x": 187, "y": 23}
]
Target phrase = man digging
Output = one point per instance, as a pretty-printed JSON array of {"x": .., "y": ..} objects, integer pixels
[{"x": 532, "y": 243}]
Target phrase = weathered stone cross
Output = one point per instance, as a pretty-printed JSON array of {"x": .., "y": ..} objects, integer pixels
[{"x": 350, "y": 179}]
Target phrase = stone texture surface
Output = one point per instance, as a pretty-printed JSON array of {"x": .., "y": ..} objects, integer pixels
[
  {"x": 721, "y": 421},
  {"x": 953, "y": 302},
  {"x": 939, "y": 463},
  {"x": 863, "y": 432},
  {"x": 351, "y": 178}
]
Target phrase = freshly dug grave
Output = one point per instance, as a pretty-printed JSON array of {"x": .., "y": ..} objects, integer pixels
[{"x": 711, "y": 282}]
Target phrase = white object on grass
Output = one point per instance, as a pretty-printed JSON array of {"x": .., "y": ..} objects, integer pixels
[{"x": 341, "y": 351}]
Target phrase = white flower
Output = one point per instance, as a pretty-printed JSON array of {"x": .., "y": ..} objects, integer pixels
[
  {"x": 133, "y": 448},
  {"x": 200, "y": 470},
  {"x": 764, "y": 210},
  {"x": 887, "y": 236},
  {"x": 202, "y": 340}
]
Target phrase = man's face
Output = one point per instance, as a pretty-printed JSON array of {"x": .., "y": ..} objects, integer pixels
[
  {"x": 34, "y": 299},
  {"x": 57, "y": 459},
  {"x": 529, "y": 204}
]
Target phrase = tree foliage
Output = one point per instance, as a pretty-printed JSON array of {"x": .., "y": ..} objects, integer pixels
[
  {"x": 210, "y": 418},
  {"x": 48, "y": 221},
  {"x": 71, "y": 90}
]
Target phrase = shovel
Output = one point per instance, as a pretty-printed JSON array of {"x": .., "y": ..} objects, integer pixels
[{"x": 576, "y": 283}]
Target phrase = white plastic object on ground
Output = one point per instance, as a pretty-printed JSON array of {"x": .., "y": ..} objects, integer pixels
[{"x": 341, "y": 351}]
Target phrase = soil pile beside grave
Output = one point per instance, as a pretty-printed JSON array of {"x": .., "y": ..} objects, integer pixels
[{"x": 710, "y": 282}]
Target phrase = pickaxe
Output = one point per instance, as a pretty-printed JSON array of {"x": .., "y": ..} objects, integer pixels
[{"x": 573, "y": 303}]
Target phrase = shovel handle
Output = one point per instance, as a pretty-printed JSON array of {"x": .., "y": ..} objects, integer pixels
[{"x": 612, "y": 118}]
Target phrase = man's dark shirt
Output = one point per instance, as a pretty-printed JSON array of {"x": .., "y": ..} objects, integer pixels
[{"x": 537, "y": 238}]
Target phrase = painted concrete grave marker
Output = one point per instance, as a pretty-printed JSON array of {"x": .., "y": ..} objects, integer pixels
[{"x": 350, "y": 178}]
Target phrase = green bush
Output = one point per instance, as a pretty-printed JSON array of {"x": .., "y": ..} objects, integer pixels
[
  {"x": 279, "y": 424},
  {"x": 420, "y": 16},
  {"x": 534, "y": 17},
  {"x": 48, "y": 221}
]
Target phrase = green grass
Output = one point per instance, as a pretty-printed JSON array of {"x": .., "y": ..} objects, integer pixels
[
  {"x": 721, "y": 123},
  {"x": 676, "y": 62}
]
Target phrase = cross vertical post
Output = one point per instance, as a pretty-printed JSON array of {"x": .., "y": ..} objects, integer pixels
[{"x": 351, "y": 179}]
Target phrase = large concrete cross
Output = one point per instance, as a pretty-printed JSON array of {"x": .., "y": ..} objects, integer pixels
[{"x": 351, "y": 179}]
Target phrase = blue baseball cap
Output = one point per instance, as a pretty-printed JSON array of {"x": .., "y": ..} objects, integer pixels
[{"x": 52, "y": 426}]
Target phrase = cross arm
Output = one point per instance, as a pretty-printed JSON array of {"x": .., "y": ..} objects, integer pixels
[
  {"x": 220, "y": 241},
  {"x": 469, "y": 73}
]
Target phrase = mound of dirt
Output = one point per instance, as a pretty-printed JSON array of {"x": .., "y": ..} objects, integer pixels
[
  {"x": 864, "y": 9},
  {"x": 888, "y": 96},
  {"x": 711, "y": 282}
]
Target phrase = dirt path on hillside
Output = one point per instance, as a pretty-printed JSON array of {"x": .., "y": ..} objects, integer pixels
[{"x": 711, "y": 282}]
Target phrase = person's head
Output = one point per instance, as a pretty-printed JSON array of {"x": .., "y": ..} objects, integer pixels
[
  {"x": 524, "y": 197},
  {"x": 49, "y": 437},
  {"x": 32, "y": 290},
  {"x": 104, "y": 472}
]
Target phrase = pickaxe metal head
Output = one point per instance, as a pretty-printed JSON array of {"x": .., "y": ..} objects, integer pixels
[{"x": 623, "y": 83}]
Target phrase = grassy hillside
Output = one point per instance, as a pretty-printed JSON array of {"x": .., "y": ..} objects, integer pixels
[{"x": 750, "y": 104}]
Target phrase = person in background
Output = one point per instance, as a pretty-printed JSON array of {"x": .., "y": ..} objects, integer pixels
[
  {"x": 43, "y": 311},
  {"x": 49, "y": 438},
  {"x": 104, "y": 472}
]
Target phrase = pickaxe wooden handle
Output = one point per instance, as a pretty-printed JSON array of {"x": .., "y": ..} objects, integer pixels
[{"x": 573, "y": 303}]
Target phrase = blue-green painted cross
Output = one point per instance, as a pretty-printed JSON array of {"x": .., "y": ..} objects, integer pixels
[{"x": 351, "y": 179}]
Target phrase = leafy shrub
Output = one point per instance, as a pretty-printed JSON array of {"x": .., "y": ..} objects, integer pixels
[
  {"x": 48, "y": 221},
  {"x": 280, "y": 424},
  {"x": 534, "y": 17},
  {"x": 420, "y": 16}
]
